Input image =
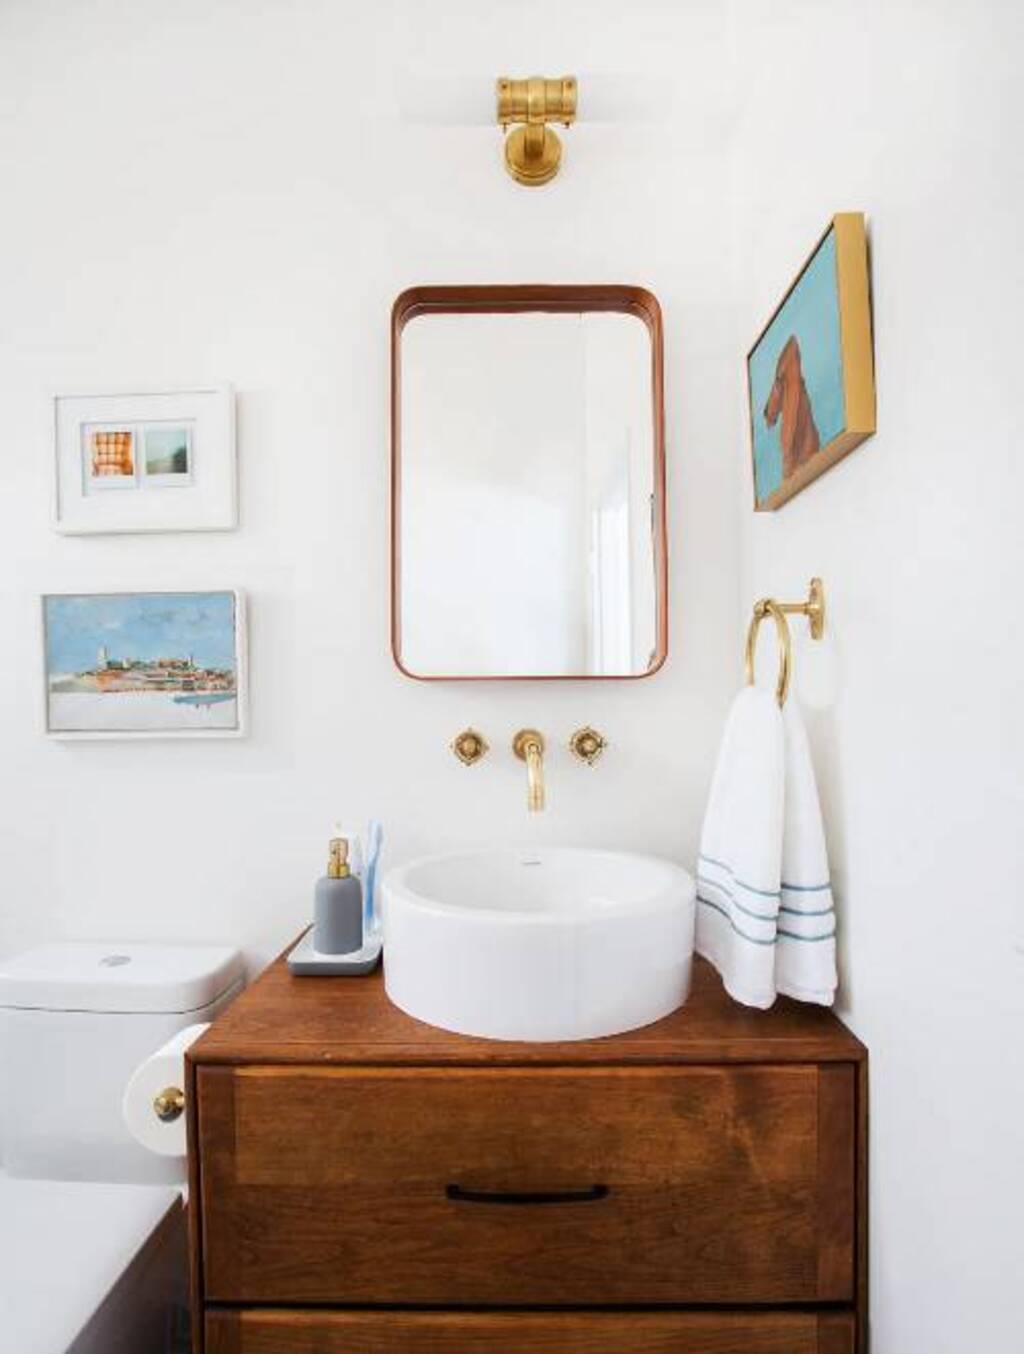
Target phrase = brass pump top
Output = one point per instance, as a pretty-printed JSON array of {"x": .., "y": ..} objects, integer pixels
[{"x": 337, "y": 863}]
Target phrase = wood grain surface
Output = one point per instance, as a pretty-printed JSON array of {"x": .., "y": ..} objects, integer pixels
[
  {"x": 285, "y": 1019},
  {"x": 299, "y": 1332},
  {"x": 730, "y": 1145},
  {"x": 722, "y": 1185}
]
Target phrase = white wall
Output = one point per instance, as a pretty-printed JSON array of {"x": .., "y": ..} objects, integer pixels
[
  {"x": 912, "y": 113},
  {"x": 217, "y": 190}
]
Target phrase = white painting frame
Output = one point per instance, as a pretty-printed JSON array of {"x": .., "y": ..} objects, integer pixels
[
  {"x": 58, "y": 727},
  {"x": 102, "y": 454}
]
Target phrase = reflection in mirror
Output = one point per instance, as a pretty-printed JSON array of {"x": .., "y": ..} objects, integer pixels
[{"x": 529, "y": 495}]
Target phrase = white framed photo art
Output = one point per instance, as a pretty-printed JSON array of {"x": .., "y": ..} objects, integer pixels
[
  {"x": 169, "y": 664},
  {"x": 160, "y": 461}
]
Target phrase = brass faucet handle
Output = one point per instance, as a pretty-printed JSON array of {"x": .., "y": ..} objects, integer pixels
[
  {"x": 587, "y": 744},
  {"x": 469, "y": 746}
]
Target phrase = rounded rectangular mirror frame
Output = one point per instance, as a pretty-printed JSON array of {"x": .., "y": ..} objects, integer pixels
[{"x": 572, "y": 298}]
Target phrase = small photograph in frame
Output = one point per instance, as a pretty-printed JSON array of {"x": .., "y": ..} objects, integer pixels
[
  {"x": 145, "y": 664},
  {"x": 108, "y": 457},
  {"x": 170, "y": 456},
  {"x": 810, "y": 373},
  {"x": 167, "y": 455}
]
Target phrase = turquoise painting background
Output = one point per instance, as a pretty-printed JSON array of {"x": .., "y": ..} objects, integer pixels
[{"x": 811, "y": 312}]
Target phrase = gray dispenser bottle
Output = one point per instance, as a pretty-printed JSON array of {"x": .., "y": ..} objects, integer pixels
[
  {"x": 334, "y": 944},
  {"x": 338, "y": 913}
]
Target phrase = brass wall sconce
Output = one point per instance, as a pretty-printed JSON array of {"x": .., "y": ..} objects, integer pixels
[
  {"x": 469, "y": 746},
  {"x": 533, "y": 152}
]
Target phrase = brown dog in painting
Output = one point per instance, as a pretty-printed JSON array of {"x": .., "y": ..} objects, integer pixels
[{"x": 799, "y": 433}]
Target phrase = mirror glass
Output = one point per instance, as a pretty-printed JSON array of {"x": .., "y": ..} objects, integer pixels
[{"x": 529, "y": 495}]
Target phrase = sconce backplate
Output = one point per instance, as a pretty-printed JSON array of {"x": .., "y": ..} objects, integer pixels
[{"x": 530, "y": 166}]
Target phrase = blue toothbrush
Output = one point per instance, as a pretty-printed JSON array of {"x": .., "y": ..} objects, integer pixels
[{"x": 374, "y": 837}]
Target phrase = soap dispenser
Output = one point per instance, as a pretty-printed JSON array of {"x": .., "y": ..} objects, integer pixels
[
  {"x": 338, "y": 943},
  {"x": 338, "y": 914}
]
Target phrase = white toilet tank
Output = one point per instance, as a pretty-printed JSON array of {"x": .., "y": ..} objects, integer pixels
[{"x": 76, "y": 1019}]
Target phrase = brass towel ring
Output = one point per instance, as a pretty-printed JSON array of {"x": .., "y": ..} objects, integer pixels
[
  {"x": 768, "y": 607},
  {"x": 813, "y": 609}
]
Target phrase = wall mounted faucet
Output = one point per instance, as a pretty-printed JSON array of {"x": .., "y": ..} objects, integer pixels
[
  {"x": 586, "y": 744},
  {"x": 528, "y": 745}
]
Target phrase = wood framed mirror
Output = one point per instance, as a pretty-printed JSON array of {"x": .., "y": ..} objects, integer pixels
[{"x": 528, "y": 483}]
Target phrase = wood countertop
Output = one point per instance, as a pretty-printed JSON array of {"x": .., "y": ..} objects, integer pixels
[{"x": 350, "y": 1022}]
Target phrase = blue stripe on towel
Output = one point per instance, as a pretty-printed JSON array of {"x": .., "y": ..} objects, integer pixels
[
  {"x": 764, "y": 893},
  {"x": 723, "y": 888},
  {"x": 792, "y": 935},
  {"x": 761, "y": 916},
  {"x": 757, "y": 940},
  {"x": 767, "y": 893}
]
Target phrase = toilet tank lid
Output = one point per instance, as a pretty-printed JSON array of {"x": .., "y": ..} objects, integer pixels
[{"x": 129, "y": 978}]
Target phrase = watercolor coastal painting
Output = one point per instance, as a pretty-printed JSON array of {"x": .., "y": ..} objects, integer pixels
[
  {"x": 810, "y": 372},
  {"x": 144, "y": 664}
]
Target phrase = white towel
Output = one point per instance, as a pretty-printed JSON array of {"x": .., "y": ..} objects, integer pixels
[{"x": 765, "y": 915}]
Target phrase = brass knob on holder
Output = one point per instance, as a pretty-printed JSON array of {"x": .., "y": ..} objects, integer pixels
[
  {"x": 169, "y": 1104},
  {"x": 587, "y": 744},
  {"x": 469, "y": 746}
]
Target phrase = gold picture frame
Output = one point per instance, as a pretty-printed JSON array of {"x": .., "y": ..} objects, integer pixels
[{"x": 810, "y": 371}]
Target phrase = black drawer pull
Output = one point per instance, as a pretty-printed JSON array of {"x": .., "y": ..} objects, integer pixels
[{"x": 554, "y": 1196}]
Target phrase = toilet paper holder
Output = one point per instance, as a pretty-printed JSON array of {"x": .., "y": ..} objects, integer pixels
[
  {"x": 169, "y": 1104},
  {"x": 154, "y": 1101}
]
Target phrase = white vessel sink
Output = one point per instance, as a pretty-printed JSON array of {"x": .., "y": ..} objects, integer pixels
[{"x": 545, "y": 944}]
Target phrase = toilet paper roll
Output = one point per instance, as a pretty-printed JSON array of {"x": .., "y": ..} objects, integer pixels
[{"x": 162, "y": 1071}]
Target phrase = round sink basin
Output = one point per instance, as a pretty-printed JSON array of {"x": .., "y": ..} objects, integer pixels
[{"x": 547, "y": 944}]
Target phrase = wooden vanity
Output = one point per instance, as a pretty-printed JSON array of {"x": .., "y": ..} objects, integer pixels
[{"x": 363, "y": 1182}]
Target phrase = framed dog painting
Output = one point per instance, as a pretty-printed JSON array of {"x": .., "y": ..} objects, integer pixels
[{"x": 810, "y": 374}]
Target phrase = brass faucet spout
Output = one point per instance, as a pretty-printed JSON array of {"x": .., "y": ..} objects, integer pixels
[
  {"x": 528, "y": 745},
  {"x": 535, "y": 778}
]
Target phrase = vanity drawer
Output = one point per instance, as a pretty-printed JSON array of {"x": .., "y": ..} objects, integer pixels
[
  {"x": 563, "y": 1185},
  {"x": 297, "y": 1332}
]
